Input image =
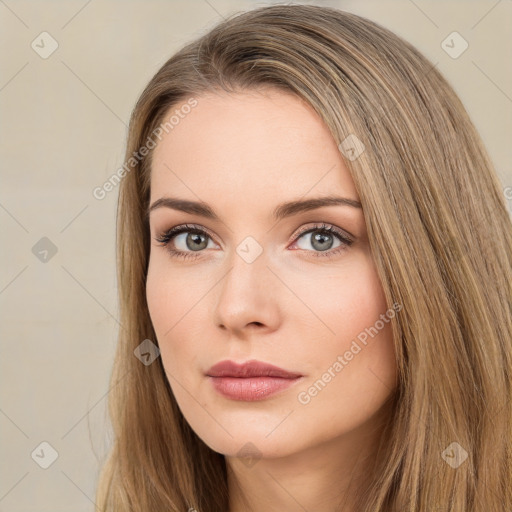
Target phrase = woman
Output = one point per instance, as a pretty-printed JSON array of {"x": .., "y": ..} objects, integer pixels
[{"x": 305, "y": 191}]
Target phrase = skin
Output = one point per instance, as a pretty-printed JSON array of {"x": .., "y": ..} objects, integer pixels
[{"x": 243, "y": 154}]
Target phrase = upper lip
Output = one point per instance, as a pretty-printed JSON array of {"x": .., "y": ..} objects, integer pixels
[{"x": 249, "y": 369}]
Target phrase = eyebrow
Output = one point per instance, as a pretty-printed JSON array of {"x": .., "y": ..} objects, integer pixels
[{"x": 280, "y": 212}]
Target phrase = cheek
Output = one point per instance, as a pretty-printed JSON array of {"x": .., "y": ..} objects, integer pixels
[
  {"x": 172, "y": 297},
  {"x": 359, "y": 350},
  {"x": 171, "y": 293},
  {"x": 348, "y": 300}
]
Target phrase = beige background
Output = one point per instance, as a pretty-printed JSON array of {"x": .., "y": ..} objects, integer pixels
[{"x": 63, "y": 128}]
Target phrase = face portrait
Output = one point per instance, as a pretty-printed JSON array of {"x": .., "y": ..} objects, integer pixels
[{"x": 260, "y": 272}]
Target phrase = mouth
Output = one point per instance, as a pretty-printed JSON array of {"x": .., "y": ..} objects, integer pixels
[{"x": 250, "y": 381}]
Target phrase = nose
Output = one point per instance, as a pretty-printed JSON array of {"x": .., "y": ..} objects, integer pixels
[{"x": 248, "y": 297}]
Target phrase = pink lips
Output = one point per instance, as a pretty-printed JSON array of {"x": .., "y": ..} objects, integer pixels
[{"x": 250, "y": 381}]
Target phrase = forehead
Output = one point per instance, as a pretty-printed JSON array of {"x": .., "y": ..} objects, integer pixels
[{"x": 250, "y": 145}]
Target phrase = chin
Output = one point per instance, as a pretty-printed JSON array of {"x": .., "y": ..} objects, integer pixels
[{"x": 248, "y": 438}]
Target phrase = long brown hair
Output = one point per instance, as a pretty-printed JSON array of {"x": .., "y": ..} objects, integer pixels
[{"x": 439, "y": 232}]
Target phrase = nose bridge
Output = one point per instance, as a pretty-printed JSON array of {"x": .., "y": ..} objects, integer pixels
[{"x": 246, "y": 292}]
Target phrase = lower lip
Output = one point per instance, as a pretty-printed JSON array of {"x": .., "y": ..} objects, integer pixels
[{"x": 250, "y": 389}]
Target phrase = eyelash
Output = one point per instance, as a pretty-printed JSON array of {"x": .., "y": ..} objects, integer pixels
[{"x": 165, "y": 238}]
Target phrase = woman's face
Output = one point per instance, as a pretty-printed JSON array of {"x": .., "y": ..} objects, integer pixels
[{"x": 267, "y": 275}]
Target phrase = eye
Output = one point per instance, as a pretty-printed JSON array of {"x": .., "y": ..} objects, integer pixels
[
  {"x": 322, "y": 239},
  {"x": 188, "y": 240}
]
